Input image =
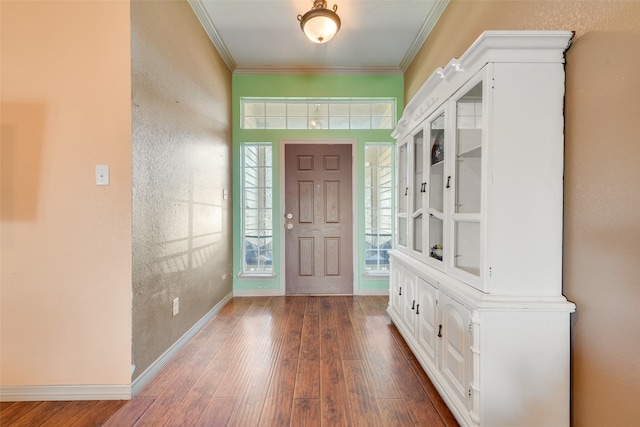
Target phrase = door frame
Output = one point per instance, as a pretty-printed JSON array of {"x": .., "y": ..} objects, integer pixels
[{"x": 279, "y": 222}]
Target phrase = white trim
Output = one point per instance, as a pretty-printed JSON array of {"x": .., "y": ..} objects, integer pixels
[
  {"x": 373, "y": 292},
  {"x": 490, "y": 46},
  {"x": 354, "y": 208},
  {"x": 107, "y": 392},
  {"x": 161, "y": 361},
  {"x": 202, "y": 15},
  {"x": 257, "y": 292},
  {"x": 336, "y": 71},
  {"x": 64, "y": 392},
  {"x": 434, "y": 15}
]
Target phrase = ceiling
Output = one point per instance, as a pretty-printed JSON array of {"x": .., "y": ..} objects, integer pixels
[{"x": 377, "y": 36}]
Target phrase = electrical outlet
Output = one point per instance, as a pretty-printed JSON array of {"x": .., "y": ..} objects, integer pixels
[{"x": 176, "y": 306}]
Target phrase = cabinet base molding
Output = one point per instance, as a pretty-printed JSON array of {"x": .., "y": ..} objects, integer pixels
[{"x": 495, "y": 361}]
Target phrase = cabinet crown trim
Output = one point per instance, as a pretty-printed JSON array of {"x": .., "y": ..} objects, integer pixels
[{"x": 491, "y": 46}]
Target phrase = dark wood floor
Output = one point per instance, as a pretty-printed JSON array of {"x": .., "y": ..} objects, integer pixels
[{"x": 273, "y": 361}]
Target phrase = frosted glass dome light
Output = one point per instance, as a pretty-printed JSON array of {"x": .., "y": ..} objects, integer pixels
[{"x": 320, "y": 24}]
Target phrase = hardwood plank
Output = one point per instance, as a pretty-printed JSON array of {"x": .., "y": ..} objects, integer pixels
[
  {"x": 307, "y": 385},
  {"x": 334, "y": 399},
  {"x": 430, "y": 390},
  {"x": 418, "y": 403},
  {"x": 306, "y": 413},
  {"x": 4, "y": 406},
  {"x": 293, "y": 332},
  {"x": 362, "y": 402},
  {"x": 179, "y": 376},
  {"x": 71, "y": 413},
  {"x": 384, "y": 383},
  {"x": 313, "y": 306},
  {"x": 349, "y": 339},
  {"x": 279, "y": 400},
  {"x": 261, "y": 364},
  {"x": 38, "y": 414},
  {"x": 310, "y": 337},
  {"x": 130, "y": 413},
  {"x": 190, "y": 358},
  {"x": 295, "y": 360},
  {"x": 394, "y": 412},
  {"x": 11, "y": 412},
  {"x": 217, "y": 413},
  {"x": 308, "y": 377},
  {"x": 97, "y": 415},
  {"x": 329, "y": 347},
  {"x": 196, "y": 402},
  {"x": 249, "y": 408},
  {"x": 235, "y": 379}
]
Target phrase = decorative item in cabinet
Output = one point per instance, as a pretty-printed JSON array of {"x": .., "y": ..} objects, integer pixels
[
  {"x": 403, "y": 196},
  {"x": 436, "y": 251},
  {"x": 435, "y": 230},
  {"x": 437, "y": 146}
]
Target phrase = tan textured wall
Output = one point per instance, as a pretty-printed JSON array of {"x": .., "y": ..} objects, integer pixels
[
  {"x": 602, "y": 178},
  {"x": 65, "y": 310},
  {"x": 181, "y": 94}
]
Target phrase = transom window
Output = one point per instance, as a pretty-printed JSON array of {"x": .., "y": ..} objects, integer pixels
[{"x": 317, "y": 113}]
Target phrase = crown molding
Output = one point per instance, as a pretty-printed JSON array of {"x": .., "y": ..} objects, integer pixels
[
  {"x": 200, "y": 11},
  {"x": 323, "y": 71},
  {"x": 418, "y": 42},
  {"x": 210, "y": 29}
]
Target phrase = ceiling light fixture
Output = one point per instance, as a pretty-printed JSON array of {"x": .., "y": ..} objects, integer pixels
[{"x": 320, "y": 24}]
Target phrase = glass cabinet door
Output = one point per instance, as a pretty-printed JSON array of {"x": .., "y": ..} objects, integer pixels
[
  {"x": 468, "y": 161},
  {"x": 436, "y": 188},
  {"x": 403, "y": 190},
  {"x": 418, "y": 191}
]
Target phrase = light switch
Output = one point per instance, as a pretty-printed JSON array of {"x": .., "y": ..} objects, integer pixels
[{"x": 102, "y": 174}]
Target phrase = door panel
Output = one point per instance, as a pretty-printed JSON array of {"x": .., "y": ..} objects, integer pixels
[{"x": 318, "y": 242}]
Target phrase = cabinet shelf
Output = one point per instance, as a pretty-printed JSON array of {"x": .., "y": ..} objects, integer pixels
[
  {"x": 471, "y": 152},
  {"x": 466, "y": 217}
]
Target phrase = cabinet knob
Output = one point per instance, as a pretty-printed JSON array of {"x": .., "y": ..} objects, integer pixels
[
  {"x": 417, "y": 308},
  {"x": 413, "y": 305},
  {"x": 439, "y": 331},
  {"x": 400, "y": 293},
  {"x": 448, "y": 181},
  {"x": 406, "y": 191}
]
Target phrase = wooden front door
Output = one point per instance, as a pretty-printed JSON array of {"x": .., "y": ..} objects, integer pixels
[{"x": 318, "y": 219}]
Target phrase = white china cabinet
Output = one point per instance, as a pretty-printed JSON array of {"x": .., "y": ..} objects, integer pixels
[{"x": 476, "y": 272}]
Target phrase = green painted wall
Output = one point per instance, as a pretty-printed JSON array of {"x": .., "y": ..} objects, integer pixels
[{"x": 303, "y": 85}]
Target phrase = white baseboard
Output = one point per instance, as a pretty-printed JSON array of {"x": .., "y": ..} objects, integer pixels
[
  {"x": 257, "y": 292},
  {"x": 276, "y": 292},
  {"x": 107, "y": 392},
  {"x": 161, "y": 361},
  {"x": 373, "y": 292},
  {"x": 64, "y": 392}
]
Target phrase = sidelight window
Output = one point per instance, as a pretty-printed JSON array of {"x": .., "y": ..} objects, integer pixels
[
  {"x": 257, "y": 208},
  {"x": 378, "y": 205}
]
